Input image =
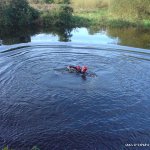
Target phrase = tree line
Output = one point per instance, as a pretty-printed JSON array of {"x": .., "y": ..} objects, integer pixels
[
  {"x": 19, "y": 12},
  {"x": 16, "y": 12}
]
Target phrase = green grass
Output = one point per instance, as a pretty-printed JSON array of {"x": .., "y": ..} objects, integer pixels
[
  {"x": 89, "y": 4},
  {"x": 103, "y": 17},
  {"x": 94, "y": 13},
  {"x": 88, "y": 18},
  {"x": 130, "y": 9},
  {"x": 114, "y": 13}
]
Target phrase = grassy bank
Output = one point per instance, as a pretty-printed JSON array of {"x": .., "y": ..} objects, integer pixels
[
  {"x": 113, "y": 13},
  {"x": 102, "y": 17},
  {"x": 75, "y": 13},
  {"x": 95, "y": 13}
]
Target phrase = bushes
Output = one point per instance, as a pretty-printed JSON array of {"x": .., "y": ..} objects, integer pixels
[
  {"x": 59, "y": 15},
  {"x": 49, "y": 17},
  {"x": 17, "y": 13},
  {"x": 65, "y": 15}
]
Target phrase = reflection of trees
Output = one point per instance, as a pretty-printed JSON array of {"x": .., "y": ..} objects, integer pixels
[
  {"x": 15, "y": 35},
  {"x": 131, "y": 36},
  {"x": 23, "y": 35},
  {"x": 128, "y": 36},
  {"x": 64, "y": 35},
  {"x": 95, "y": 29}
]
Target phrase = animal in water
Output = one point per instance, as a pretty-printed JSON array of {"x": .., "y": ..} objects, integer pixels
[{"x": 77, "y": 69}]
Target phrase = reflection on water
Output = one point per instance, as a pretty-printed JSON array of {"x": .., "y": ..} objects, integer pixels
[
  {"x": 42, "y": 106},
  {"x": 79, "y": 35},
  {"x": 11, "y": 36},
  {"x": 15, "y": 36},
  {"x": 123, "y": 36},
  {"x": 132, "y": 37}
]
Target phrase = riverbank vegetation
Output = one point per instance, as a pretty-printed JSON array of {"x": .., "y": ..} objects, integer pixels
[
  {"x": 35, "y": 12},
  {"x": 114, "y": 13},
  {"x": 16, "y": 13},
  {"x": 75, "y": 13}
]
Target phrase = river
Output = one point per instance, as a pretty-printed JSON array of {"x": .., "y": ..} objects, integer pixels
[{"x": 42, "y": 105}]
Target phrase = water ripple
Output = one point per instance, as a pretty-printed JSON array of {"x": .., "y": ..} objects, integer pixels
[{"x": 42, "y": 104}]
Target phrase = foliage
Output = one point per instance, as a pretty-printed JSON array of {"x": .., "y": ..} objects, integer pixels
[
  {"x": 53, "y": 13},
  {"x": 65, "y": 15},
  {"x": 60, "y": 15},
  {"x": 17, "y": 12}
]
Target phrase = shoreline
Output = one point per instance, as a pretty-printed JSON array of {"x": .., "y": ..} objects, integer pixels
[{"x": 102, "y": 18}]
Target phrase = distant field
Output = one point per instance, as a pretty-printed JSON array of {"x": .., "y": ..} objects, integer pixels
[{"x": 88, "y": 5}]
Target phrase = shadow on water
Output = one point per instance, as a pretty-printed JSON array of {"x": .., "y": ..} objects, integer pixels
[{"x": 11, "y": 36}]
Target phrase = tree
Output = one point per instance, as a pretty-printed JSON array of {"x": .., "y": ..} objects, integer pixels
[{"x": 17, "y": 12}]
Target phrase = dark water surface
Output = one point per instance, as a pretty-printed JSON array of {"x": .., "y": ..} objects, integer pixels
[{"x": 54, "y": 110}]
